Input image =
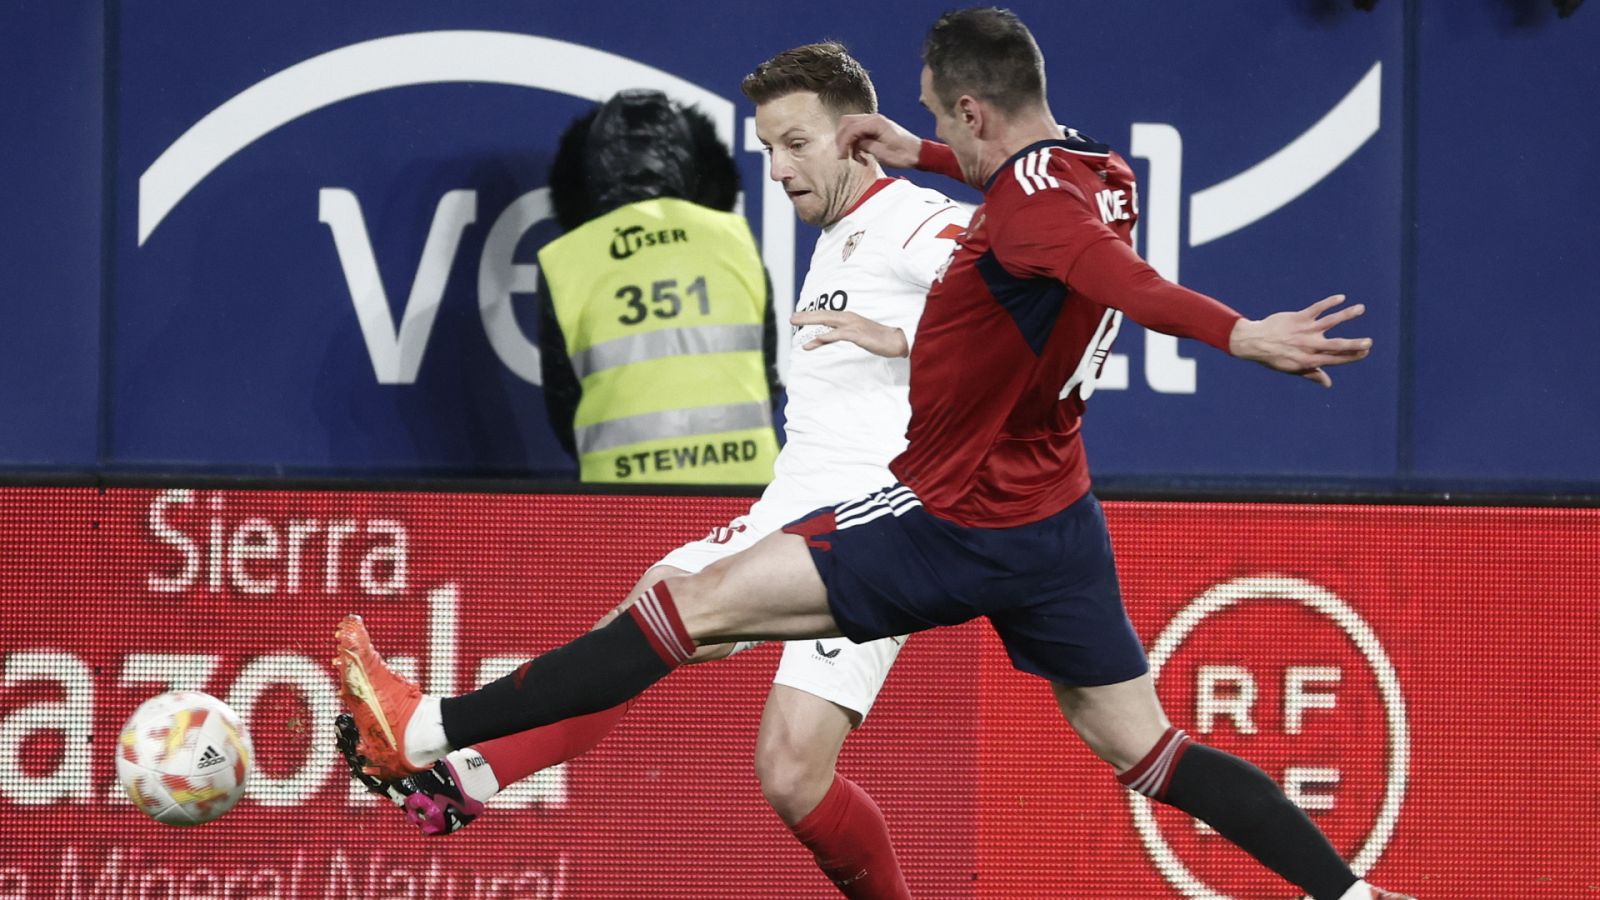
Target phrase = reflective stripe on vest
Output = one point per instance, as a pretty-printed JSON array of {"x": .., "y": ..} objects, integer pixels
[
  {"x": 671, "y": 423},
  {"x": 663, "y": 305},
  {"x": 659, "y": 344}
]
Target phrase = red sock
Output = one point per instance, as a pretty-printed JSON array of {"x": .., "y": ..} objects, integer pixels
[
  {"x": 657, "y": 616},
  {"x": 516, "y": 757},
  {"x": 1151, "y": 775},
  {"x": 850, "y": 839}
]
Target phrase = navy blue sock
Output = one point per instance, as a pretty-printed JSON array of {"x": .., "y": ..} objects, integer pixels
[
  {"x": 599, "y": 670},
  {"x": 1244, "y": 805}
]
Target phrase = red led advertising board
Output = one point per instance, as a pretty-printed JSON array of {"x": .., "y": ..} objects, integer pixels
[{"x": 1419, "y": 678}]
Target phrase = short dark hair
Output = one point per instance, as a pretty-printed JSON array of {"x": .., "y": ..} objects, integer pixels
[
  {"x": 988, "y": 53},
  {"x": 826, "y": 69}
]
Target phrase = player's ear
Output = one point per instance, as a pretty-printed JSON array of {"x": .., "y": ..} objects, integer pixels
[{"x": 970, "y": 114}]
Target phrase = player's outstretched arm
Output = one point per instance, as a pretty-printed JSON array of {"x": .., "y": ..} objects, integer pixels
[
  {"x": 876, "y": 135},
  {"x": 873, "y": 337},
  {"x": 1298, "y": 343}
]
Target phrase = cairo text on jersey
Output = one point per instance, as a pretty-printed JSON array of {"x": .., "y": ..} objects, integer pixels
[
  {"x": 710, "y": 453},
  {"x": 828, "y": 301}
]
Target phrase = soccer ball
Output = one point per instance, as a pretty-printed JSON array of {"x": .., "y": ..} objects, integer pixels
[{"x": 182, "y": 757}]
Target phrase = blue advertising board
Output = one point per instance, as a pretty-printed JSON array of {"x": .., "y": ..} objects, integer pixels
[
  {"x": 324, "y": 222},
  {"x": 51, "y": 116},
  {"x": 1508, "y": 150}
]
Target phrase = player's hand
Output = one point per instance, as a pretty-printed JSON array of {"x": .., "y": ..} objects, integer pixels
[
  {"x": 1298, "y": 342},
  {"x": 870, "y": 336},
  {"x": 861, "y": 135}
]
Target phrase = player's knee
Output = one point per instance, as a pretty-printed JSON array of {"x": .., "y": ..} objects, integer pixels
[
  {"x": 1121, "y": 724},
  {"x": 651, "y": 576},
  {"x": 696, "y": 599},
  {"x": 702, "y": 586},
  {"x": 791, "y": 777}
]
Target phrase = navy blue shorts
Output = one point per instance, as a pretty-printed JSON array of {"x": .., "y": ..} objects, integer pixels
[{"x": 1049, "y": 588}]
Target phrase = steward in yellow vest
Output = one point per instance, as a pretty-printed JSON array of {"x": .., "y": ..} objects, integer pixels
[{"x": 657, "y": 340}]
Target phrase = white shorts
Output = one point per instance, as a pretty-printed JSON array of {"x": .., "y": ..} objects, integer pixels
[{"x": 836, "y": 669}]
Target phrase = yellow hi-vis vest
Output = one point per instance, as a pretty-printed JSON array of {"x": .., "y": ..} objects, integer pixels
[{"x": 661, "y": 304}]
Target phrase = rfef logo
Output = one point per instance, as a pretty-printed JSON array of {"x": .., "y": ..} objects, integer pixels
[{"x": 1286, "y": 674}]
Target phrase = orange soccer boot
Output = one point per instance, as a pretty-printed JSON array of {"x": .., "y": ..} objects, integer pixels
[{"x": 381, "y": 701}]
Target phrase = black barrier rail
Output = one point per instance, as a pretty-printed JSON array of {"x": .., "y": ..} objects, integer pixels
[{"x": 1171, "y": 489}]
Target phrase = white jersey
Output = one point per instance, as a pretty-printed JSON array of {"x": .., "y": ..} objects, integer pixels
[{"x": 847, "y": 410}]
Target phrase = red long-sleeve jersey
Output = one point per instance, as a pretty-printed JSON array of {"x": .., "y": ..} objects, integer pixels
[{"x": 1016, "y": 329}]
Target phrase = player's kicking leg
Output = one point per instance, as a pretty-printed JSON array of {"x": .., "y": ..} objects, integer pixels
[
  {"x": 770, "y": 591},
  {"x": 822, "y": 691},
  {"x": 1124, "y": 725},
  {"x": 452, "y": 793}
]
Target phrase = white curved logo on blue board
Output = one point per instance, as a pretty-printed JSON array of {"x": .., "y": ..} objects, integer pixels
[
  {"x": 429, "y": 57},
  {"x": 1273, "y": 183},
  {"x": 1230, "y": 206}
]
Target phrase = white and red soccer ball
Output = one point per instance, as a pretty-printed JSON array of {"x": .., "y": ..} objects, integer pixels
[{"x": 183, "y": 758}]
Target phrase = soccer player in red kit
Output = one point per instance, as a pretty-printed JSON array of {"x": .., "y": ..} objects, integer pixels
[
  {"x": 991, "y": 515},
  {"x": 882, "y": 241}
]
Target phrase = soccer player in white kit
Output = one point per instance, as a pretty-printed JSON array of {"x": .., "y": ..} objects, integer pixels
[{"x": 883, "y": 241}]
